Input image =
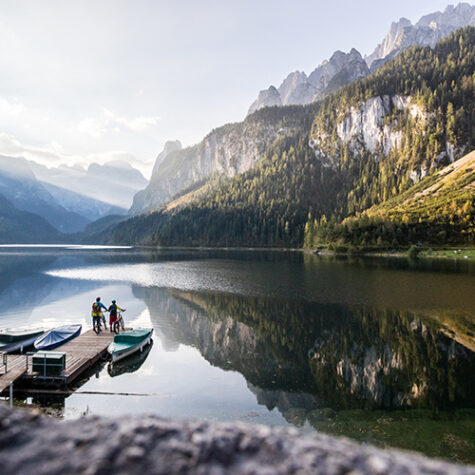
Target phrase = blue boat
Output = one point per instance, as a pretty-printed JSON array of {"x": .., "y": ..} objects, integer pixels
[
  {"x": 57, "y": 337},
  {"x": 18, "y": 339}
]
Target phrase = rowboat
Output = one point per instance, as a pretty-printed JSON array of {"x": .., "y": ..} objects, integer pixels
[
  {"x": 129, "y": 364},
  {"x": 18, "y": 339},
  {"x": 129, "y": 342},
  {"x": 57, "y": 337}
]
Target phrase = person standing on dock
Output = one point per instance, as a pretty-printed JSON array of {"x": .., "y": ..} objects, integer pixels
[
  {"x": 97, "y": 307},
  {"x": 113, "y": 313}
]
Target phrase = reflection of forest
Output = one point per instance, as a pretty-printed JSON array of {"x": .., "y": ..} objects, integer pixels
[{"x": 308, "y": 355}]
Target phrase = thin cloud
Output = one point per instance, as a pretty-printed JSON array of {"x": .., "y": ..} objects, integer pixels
[
  {"x": 12, "y": 147},
  {"x": 98, "y": 127},
  {"x": 10, "y": 109}
]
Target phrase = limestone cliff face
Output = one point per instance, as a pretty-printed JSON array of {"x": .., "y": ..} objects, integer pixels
[
  {"x": 375, "y": 126},
  {"x": 226, "y": 151},
  {"x": 365, "y": 128}
]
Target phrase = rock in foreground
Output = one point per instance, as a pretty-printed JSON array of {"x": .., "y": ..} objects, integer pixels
[{"x": 147, "y": 444}]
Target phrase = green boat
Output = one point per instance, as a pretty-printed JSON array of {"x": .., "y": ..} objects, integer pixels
[
  {"x": 129, "y": 342},
  {"x": 130, "y": 364}
]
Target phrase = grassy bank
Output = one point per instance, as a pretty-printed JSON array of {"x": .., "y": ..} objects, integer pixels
[
  {"x": 448, "y": 435},
  {"x": 415, "y": 252}
]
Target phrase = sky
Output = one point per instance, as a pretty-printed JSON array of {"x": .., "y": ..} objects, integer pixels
[{"x": 92, "y": 81}]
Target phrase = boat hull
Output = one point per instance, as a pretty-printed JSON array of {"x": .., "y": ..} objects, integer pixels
[
  {"x": 19, "y": 345},
  {"x": 15, "y": 342},
  {"x": 120, "y": 351}
]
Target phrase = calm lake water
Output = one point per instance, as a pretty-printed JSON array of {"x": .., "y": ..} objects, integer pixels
[{"x": 379, "y": 350}]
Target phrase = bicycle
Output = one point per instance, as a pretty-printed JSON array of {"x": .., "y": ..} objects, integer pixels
[
  {"x": 101, "y": 320},
  {"x": 118, "y": 323}
]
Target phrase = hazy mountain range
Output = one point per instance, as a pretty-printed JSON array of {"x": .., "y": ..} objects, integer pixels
[
  {"x": 66, "y": 198},
  {"x": 114, "y": 183}
]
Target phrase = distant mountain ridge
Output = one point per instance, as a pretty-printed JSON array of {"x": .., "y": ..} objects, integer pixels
[
  {"x": 67, "y": 211},
  {"x": 297, "y": 88},
  {"x": 20, "y": 187},
  {"x": 427, "y": 31},
  {"x": 17, "y": 226},
  {"x": 342, "y": 69},
  {"x": 114, "y": 183}
]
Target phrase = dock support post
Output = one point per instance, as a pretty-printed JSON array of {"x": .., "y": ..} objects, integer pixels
[{"x": 11, "y": 395}]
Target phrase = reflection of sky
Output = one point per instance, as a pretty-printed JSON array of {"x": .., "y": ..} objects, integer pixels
[
  {"x": 64, "y": 304},
  {"x": 177, "y": 384}
]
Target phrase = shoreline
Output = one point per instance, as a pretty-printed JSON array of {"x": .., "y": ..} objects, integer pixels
[
  {"x": 454, "y": 253},
  {"x": 464, "y": 254}
]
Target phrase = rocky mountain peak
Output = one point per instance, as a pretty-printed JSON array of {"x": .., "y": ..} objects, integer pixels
[
  {"x": 426, "y": 32},
  {"x": 169, "y": 147},
  {"x": 266, "y": 98},
  {"x": 297, "y": 88},
  {"x": 457, "y": 17}
]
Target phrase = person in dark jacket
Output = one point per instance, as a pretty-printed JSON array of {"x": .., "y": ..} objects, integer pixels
[{"x": 113, "y": 313}]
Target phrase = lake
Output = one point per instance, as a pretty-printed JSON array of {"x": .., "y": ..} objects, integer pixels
[{"x": 380, "y": 350}]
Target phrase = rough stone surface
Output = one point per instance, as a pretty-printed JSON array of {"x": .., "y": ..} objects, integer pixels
[{"x": 147, "y": 444}]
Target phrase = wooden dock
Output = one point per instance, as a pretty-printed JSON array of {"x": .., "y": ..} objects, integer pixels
[
  {"x": 15, "y": 370},
  {"x": 81, "y": 353}
]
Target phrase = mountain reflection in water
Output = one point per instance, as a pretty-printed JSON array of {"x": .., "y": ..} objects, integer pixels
[
  {"x": 330, "y": 355},
  {"x": 357, "y": 347}
]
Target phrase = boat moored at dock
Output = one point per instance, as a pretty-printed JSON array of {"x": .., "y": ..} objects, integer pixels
[
  {"x": 15, "y": 340},
  {"x": 129, "y": 342},
  {"x": 57, "y": 337}
]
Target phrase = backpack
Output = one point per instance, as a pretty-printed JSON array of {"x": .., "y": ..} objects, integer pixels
[{"x": 95, "y": 307}]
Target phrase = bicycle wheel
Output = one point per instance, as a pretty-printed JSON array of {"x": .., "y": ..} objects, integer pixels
[
  {"x": 116, "y": 327},
  {"x": 122, "y": 325}
]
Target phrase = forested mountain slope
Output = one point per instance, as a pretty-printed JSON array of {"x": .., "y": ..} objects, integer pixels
[
  {"x": 369, "y": 142},
  {"x": 440, "y": 209}
]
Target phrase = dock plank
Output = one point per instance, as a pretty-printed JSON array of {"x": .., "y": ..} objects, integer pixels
[{"x": 11, "y": 376}]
